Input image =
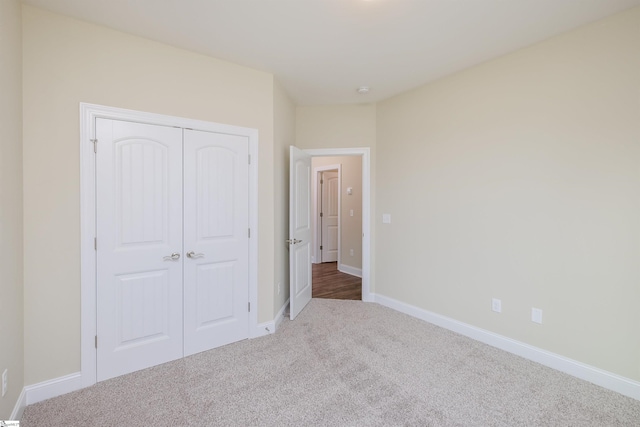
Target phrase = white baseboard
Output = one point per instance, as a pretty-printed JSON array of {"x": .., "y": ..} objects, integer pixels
[
  {"x": 280, "y": 315},
  {"x": 271, "y": 326},
  {"x": 608, "y": 380},
  {"x": 264, "y": 328},
  {"x": 20, "y": 405},
  {"x": 350, "y": 270},
  {"x": 48, "y": 389}
]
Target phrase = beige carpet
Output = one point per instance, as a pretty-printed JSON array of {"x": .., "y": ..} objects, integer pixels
[{"x": 344, "y": 363}]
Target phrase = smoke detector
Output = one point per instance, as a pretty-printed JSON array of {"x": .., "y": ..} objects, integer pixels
[{"x": 363, "y": 89}]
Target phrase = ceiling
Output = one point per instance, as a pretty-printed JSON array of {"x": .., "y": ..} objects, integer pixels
[{"x": 321, "y": 51}]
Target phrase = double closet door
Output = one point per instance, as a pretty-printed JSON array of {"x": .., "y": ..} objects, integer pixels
[{"x": 172, "y": 243}]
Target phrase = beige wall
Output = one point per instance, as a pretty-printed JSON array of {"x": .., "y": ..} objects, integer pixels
[
  {"x": 518, "y": 179},
  {"x": 350, "y": 226},
  {"x": 336, "y": 126},
  {"x": 67, "y": 62},
  {"x": 11, "y": 284},
  {"x": 284, "y": 111}
]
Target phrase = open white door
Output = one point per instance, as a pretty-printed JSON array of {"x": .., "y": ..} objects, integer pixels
[{"x": 299, "y": 230}]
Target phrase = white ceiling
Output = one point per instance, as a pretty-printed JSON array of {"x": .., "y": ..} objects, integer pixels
[{"x": 323, "y": 50}]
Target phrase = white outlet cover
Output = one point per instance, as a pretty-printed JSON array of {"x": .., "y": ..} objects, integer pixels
[
  {"x": 536, "y": 315},
  {"x": 386, "y": 218},
  {"x": 496, "y": 305}
]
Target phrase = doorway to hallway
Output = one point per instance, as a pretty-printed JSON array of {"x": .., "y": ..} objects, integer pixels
[{"x": 301, "y": 258}]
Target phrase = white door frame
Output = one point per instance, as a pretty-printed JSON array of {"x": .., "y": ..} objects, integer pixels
[
  {"x": 366, "y": 207},
  {"x": 316, "y": 258},
  {"x": 88, "y": 114}
]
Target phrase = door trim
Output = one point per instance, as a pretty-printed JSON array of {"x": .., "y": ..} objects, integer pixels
[
  {"x": 88, "y": 114},
  {"x": 365, "y": 153},
  {"x": 315, "y": 195}
]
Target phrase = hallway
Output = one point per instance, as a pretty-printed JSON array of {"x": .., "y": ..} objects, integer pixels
[{"x": 328, "y": 282}]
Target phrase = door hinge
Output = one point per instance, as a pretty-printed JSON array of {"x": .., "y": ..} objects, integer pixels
[
  {"x": 95, "y": 145},
  {"x": 96, "y": 341},
  {"x": 95, "y": 243},
  {"x": 248, "y": 232},
  {"x": 320, "y": 214},
  {"x": 321, "y": 181},
  {"x": 249, "y": 158},
  {"x": 320, "y": 247},
  {"x": 249, "y": 306}
]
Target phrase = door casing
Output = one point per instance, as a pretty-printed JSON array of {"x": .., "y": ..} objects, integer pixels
[{"x": 88, "y": 115}]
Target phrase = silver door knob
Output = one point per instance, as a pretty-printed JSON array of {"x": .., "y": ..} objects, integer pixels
[
  {"x": 173, "y": 257},
  {"x": 192, "y": 254}
]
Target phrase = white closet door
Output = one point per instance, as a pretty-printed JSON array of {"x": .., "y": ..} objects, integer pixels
[
  {"x": 139, "y": 227},
  {"x": 216, "y": 241}
]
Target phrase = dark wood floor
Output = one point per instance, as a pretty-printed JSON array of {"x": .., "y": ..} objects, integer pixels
[{"x": 328, "y": 282}]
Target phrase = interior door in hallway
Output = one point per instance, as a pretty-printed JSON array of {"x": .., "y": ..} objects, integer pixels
[
  {"x": 330, "y": 215},
  {"x": 139, "y": 250},
  {"x": 299, "y": 230},
  {"x": 216, "y": 241}
]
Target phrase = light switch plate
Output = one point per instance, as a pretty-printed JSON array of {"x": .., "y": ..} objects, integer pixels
[
  {"x": 386, "y": 218},
  {"x": 536, "y": 315}
]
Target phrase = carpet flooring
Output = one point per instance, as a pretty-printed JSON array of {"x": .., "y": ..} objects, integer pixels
[{"x": 343, "y": 363}]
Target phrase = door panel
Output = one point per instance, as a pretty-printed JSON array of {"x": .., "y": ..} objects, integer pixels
[
  {"x": 139, "y": 226},
  {"x": 141, "y": 191},
  {"x": 299, "y": 230},
  {"x": 214, "y": 181},
  {"x": 330, "y": 216},
  {"x": 215, "y": 293},
  {"x": 216, "y": 278},
  {"x": 140, "y": 294}
]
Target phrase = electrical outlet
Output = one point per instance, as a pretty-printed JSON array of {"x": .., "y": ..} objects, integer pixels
[
  {"x": 5, "y": 381},
  {"x": 536, "y": 315},
  {"x": 496, "y": 305},
  {"x": 351, "y": 252}
]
